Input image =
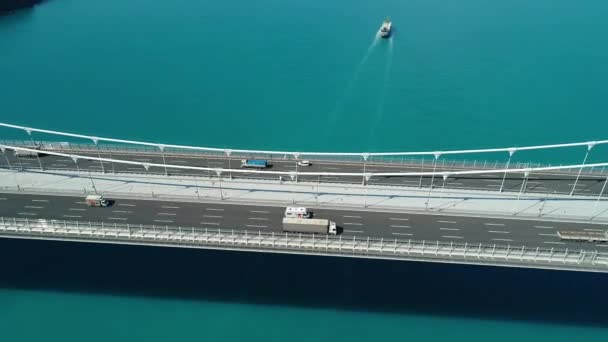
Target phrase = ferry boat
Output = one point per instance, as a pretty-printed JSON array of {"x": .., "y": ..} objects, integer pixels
[{"x": 385, "y": 29}]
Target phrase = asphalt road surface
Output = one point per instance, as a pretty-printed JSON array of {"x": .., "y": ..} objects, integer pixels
[
  {"x": 515, "y": 232},
  {"x": 554, "y": 183}
]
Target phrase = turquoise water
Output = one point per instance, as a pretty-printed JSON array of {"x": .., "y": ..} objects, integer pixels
[{"x": 304, "y": 75}]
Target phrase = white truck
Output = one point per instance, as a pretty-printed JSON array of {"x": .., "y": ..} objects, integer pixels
[
  {"x": 310, "y": 226},
  {"x": 583, "y": 236},
  {"x": 96, "y": 201}
]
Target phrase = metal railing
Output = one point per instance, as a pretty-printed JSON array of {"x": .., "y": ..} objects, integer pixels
[{"x": 230, "y": 239}]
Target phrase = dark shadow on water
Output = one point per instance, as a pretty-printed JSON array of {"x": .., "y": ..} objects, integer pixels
[
  {"x": 306, "y": 281},
  {"x": 18, "y": 8}
]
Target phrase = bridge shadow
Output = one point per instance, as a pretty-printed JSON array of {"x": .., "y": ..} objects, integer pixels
[
  {"x": 307, "y": 281},
  {"x": 226, "y": 185}
]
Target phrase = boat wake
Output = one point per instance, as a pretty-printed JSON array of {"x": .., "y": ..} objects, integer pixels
[
  {"x": 379, "y": 114},
  {"x": 339, "y": 105}
]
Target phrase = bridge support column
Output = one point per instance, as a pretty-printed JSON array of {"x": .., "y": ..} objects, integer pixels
[
  {"x": 29, "y": 132},
  {"x": 96, "y": 142},
  {"x": 162, "y": 153},
  {"x": 428, "y": 198},
  {"x": 589, "y": 147},
  {"x": 511, "y": 152}
]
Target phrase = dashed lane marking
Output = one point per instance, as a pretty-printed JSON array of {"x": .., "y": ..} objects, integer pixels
[
  {"x": 33, "y": 207},
  {"x": 29, "y": 214},
  {"x": 554, "y": 235},
  {"x": 72, "y": 216},
  {"x": 449, "y": 228},
  {"x": 543, "y": 227},
  {"x": 352, "y": 224},
  {"x": 259, "y": 211},
  {"x": 77, "y": 209},
  {"x": 494, "y": 224},
  {"x": 498, "y": 232},
  {"x": 554, "y": 243},
  {"x": 2, "y": 199},
  {"x": 446, "y": 221},
  {"x": 352, "y": 231},
  {"x": 505, "y": 240},
  {"x": 122, "y": 211},
  {"x": 398, "y": 219},
  {"x": 163, "y": 221},
  {"x": 259, "y": 218},
  {"x": 210, "y": 223},
  {"x": 396, "y": 226},
  {"x": 167, "y": 214},
  {"x": 213, "y": 216},
  {"x": 117, "y": 218},
  {"x": 452, "y": 237},
  {"x": 168, "y": 207},
  {"x": 255, "y": 226},
  {"x": 402, "y": 234},
  {"x": 215, "y": 209},
  {"x": 40, "y": 200},
  {"x": 126, "y": 205},
  {"x": 594, "y": 230},
  {"x": 350, "y": 216}
]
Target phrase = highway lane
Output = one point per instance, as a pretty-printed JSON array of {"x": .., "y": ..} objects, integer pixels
[
  {"x": 537, "y": 183},
  {"x": 386, "y": 225}
]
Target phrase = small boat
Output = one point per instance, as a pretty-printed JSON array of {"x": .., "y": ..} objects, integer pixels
[{"x": 385, "y": 29}]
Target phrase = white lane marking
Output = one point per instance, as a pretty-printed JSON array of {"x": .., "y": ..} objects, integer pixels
[
  {"x": 352, "y": 224},
  {"x": 77, "y": 209},
  {"x": 554, "y": 243},
  {"x": 349, "y": 216},
  {"x": 331, "y": 168},
  {"x": 2, "y": 199},
  {"x": 168, "y": 207},
  {"x": 40, "y": 200},
  {"x": 167, "y": 214},
  {"x": 121, "y": 211},
  {"x": 449, "y": 228},
  {"x": 30, "y": 214},
  {"x": 163, "y": 221},
  {"x": 490, "y": 180},
  {"x": 126, "y": 205},
  {"x": 494, "y": 224},
  {"x": 216, "y": 209},
  {"x": 259, "y": 218},
  {"x": 33, "y": 207},
  {"x": 602, "y": 245},
  {"x": 396, "y": 226},
  {"x": 404, "y": 234},
  {"x": 498, "y": 231},
  {"x": 452, "y": 237},
  {"x": 80, "y": 203},
  {"x": 117, "y": 218},
  {"x": 211, "y": 223},
  {"x": 256, "y": 226},
  {"x": 507, "y": 240},
  {"x": 493, "y": 185},
  {"x": 398, "y": 219},
  {"x": 60, "y": 165},
  {"x": 353, "y": 231},
  {"x": 259, "y": 211},
  {"x": 554, "y": 235},
  {"x": 543, "y": 227},
  {"x": 446, "y": 221},
  {"x": 213, "y": 216},
  {"x": 72, "y": 216},
  {"x": 594, "y": 230}
]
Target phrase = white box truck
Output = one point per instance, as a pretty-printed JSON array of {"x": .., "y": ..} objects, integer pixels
[
  {"x": 96, "y": 201},
  {"x": 310, "y": 226}
]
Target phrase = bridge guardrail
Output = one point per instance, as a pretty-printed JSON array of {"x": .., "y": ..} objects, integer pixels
[{"x": 192, "y": 237}]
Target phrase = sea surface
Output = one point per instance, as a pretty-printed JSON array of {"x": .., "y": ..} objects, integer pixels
[{"x": 302, "y": 75}]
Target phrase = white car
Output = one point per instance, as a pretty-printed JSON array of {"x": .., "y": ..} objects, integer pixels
[{"x": 304, "y": 163}]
